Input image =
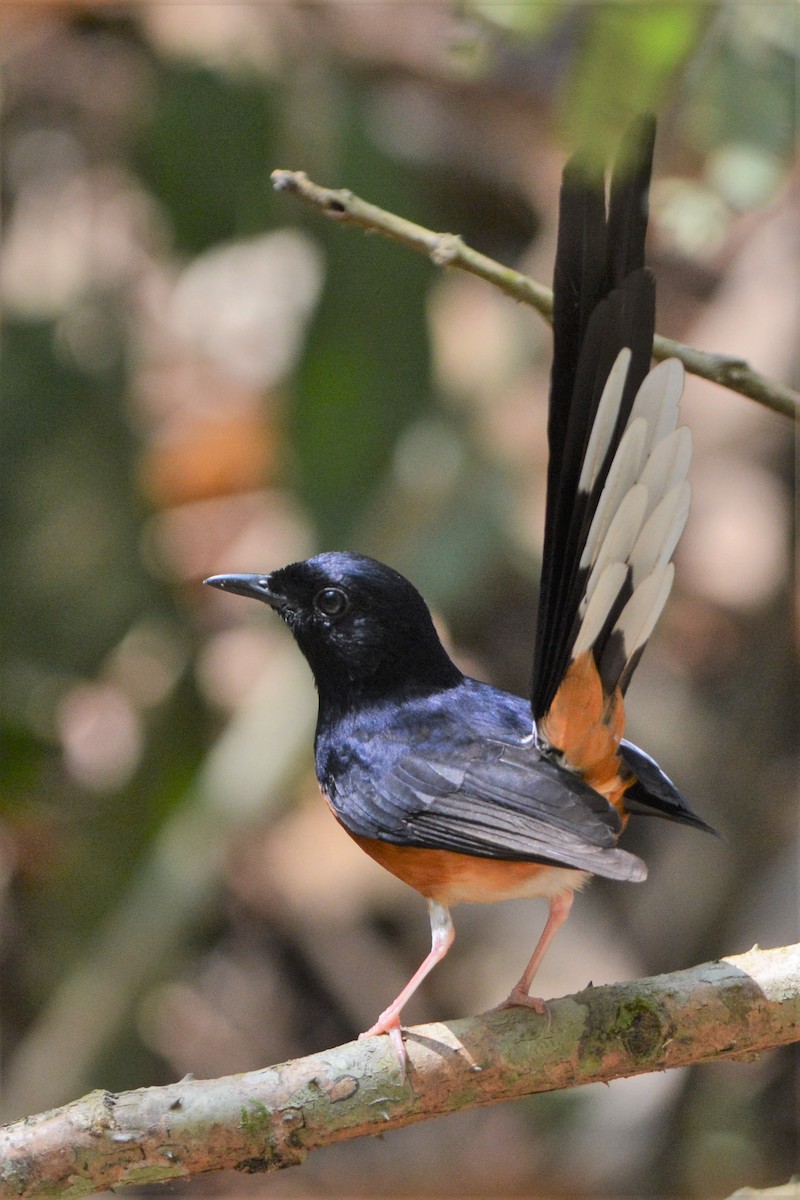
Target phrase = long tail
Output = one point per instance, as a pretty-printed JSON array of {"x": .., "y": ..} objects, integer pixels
[{"x": 617, "y": 495}]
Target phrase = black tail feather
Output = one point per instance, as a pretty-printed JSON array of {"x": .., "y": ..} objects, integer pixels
[
  {"x": 654, "y": 794},
  {"x": 604, "y": 300},
  {"x": 628, "y": 207}
]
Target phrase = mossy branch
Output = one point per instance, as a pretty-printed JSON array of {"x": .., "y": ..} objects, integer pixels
[
  {"x": 264, "y": 1120},
  {"x": 449, "y": 250}
]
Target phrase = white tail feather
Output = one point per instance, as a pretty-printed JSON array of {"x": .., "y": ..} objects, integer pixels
[
  {"x": 659, "y": 535},
  {"x": 658, "y": 398},
  {"x": 641, "y": 511},
  {"x": 637, "y": 619},
  {"x": 623, "y": 474},
  {"x": 623, "y": 533},
  {"x": 605, "y": 421},
  {"x": 668, "y": 463},
  {"x": 605, "y": 594}
]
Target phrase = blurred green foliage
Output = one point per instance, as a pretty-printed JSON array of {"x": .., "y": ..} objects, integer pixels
[
  {"x": 204, "y": 152},
  {"x": 366, "y": 371},
  {"x": 627, "y": 64},
  {"x": 72, "y": 576}
]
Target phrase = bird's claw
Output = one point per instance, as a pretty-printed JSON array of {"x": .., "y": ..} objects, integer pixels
[{"x": 390, "y": 1023}]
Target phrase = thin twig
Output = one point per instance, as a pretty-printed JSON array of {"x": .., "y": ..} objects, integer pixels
[
  {"x": 449, "y": 250},
  {"x": 732, "y": 1009}
]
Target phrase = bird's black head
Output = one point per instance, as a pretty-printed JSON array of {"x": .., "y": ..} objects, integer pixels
[{"x": 364, "y": 629}]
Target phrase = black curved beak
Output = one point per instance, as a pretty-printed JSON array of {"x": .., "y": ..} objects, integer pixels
[{"x": 257, "y": 587}]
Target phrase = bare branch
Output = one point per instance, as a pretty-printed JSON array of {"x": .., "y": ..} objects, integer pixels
[
  {"x": 268, "y": 1119},
  {"x": 448, "y": 250}
]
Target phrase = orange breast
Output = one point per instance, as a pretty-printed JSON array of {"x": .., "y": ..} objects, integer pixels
[{"x": 448, "y": 877}]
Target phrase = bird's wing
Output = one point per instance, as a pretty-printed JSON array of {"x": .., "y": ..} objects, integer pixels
[{"x": 494, "y": 803}]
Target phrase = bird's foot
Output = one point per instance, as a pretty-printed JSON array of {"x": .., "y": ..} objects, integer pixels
[
  {"x": 389, "y": 1022},
  {"x": 519, "y": 998}
]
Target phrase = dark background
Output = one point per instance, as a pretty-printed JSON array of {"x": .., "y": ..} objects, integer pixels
[{"x": 199, "y": 375}]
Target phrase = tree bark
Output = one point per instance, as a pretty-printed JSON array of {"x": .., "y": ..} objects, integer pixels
[{"x": 268, "y": 1119}]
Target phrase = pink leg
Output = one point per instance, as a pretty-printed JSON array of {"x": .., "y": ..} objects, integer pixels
[
  {"x": 520, "y": 994},
  {"x": 442, "y": 934}
]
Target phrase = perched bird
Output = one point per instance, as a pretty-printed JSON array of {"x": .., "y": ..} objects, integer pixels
[{"x": 463, "y": 791}]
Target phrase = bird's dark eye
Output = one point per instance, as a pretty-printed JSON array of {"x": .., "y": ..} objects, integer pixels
[{"x": 331, "y": 602}]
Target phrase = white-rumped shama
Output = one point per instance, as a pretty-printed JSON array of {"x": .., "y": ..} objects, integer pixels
[{"x": 463, "y": 791}]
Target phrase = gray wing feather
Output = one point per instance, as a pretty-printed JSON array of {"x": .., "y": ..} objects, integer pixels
[{"x": 503, "y": 803}]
